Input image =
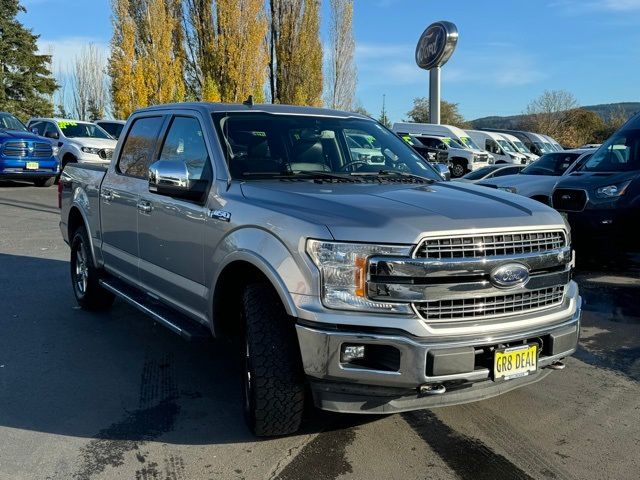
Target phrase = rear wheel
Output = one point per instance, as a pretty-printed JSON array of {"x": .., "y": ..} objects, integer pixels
[
  {"x": 457, "y": 168},
  {"x": 85, "y": 276},
  {"x": 44, "y": 182},
  {"x": 272, "y": 375}
]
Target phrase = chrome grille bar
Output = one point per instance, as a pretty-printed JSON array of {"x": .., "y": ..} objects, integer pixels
[
  {"x": 464, "y": 309},
  {"x": 488, "y": 245}
]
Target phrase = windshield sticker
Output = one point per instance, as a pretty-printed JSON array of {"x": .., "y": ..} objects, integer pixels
[{"x": 66, "y": 124}]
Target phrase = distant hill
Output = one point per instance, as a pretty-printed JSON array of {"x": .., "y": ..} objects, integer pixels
[{"x": 514, "y": 121}]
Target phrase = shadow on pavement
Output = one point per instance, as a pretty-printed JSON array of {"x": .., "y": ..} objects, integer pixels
[{"x": 112, "y": 376}]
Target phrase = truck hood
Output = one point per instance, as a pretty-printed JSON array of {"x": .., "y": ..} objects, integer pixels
[
  {"x": 93, "y": 142},
  {"x": 20, "y": 135},
  {"x": 530, "y": 181},
  {"x": 397, "y": 213},
  {"x": 593, "y": 180}
]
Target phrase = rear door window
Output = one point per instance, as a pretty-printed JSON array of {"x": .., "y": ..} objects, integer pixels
[{"x": 139, "y": 147}]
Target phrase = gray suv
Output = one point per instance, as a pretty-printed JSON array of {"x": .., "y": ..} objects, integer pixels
[{"x": 359, "y": 278}]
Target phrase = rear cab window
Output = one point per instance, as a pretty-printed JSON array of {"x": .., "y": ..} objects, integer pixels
[{"x": 139, "y": 146}]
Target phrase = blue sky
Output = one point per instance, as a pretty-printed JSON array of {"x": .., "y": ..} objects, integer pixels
[{"x": 509, "y": 51}]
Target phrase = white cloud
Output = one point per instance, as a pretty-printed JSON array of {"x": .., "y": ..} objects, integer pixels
[
  {"x": 65, "y": 50},
  {"x": 578, "y": 7}
]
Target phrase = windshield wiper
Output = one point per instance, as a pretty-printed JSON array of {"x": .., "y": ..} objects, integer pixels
[
  {"x": 303, "y": 175},
  {"x": 392, "y": 173}
]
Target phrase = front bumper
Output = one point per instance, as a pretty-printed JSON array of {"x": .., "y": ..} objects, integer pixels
[
  {"x": 602, "y": 222},
  {"x": 341, "y": 387},
  {"x": 16, "y": 169}
]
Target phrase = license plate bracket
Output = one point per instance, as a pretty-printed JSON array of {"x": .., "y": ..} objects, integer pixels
[{"x": 515, "y": 362}]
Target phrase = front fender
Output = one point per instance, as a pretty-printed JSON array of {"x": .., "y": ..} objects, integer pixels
[{"x": 287, "y": 271}]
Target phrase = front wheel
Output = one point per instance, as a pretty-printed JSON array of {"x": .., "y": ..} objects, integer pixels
[
  {"x": 457, "y": 169},
  {"x": 44, "y": 182},
  {"x": 272, "y": 375},
  {"x": 85, "y": 277}
]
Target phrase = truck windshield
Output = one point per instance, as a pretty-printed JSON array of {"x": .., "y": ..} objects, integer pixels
[
  {"x": 9, "y": 122},
  {"x": 506, "y": 146},
  {"x": 554, "y": 164},
  {"x": 261, "y": 145},
  {"x": 541, "y": 147},
  {"x": 469, "y": 143},
  {"x": 520, "y": 146},
  {"x": 78, "y": 129},
  {"x": 621, "y": 153},
  {"x": 452, "y": 143}
]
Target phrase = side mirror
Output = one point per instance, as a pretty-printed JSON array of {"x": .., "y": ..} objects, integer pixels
[
  {"x": 171, "y": 178},
  {"x": 53, "y": 135},
  {"x": 443, "y": 171}
]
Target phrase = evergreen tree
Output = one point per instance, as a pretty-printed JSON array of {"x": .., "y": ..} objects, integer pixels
[
  {"x": 384, "y": 118},
  {"x": 26, "y": 83}
]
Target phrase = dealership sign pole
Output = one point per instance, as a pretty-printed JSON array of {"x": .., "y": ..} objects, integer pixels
[{"x": 434, "y": 48}]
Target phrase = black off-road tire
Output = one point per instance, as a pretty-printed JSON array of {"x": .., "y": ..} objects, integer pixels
[
  {"x": 457, "y": 169},
  {"x": 44, "y": 182},
  {"x": 272, "y": 375},
  {"x": 87, "y": 290}
]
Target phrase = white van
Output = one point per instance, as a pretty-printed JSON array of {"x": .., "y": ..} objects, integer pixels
[
  {"x": 467, "y": 158},
  {"x": 519, "y": 146},
  {"x": 497, "y": 145}
]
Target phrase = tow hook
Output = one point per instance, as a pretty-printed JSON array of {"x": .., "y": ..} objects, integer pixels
[
  {"x": 435, "y": 389},
  {"x": 557, "y": 365}
]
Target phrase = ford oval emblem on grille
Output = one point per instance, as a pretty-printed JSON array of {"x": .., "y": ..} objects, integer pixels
[{"x": 509, "y": 275}]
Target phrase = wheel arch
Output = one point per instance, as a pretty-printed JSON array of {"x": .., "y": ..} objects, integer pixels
[
  {"x": 77, "y": 218},
  {"x": 240, "y": 269}
]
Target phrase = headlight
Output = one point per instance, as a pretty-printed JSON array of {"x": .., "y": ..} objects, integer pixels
[
  {"x": 612, "y": 191},
  {"x": 90, "y": 150},
  {"x": 343, "y": 271},
  {"x": 55, "y": 150},
  {"x": 508, "y": 189}
]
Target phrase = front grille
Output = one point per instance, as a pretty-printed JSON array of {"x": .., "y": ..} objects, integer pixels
[
  {"x": 15, "y": 149},
  {"x": 24, "y": 149},
  {"x": 42, "y": 150},
  {"x": 569, "y": 200},
  {"x": 105, "y": 153},
  {"x": 473, "y": 246},
  {"x": 494, "y": 306}
]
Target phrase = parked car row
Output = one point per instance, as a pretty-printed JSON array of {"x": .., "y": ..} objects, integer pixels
[
  {"x": 40, "y": 150},
  {"x": 472, "y": 150}
]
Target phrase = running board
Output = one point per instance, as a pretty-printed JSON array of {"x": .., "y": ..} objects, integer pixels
[{"x": 176, "y": 322}]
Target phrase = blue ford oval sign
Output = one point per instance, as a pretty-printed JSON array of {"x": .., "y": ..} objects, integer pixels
[
  {"x": 436, "y": 45},
  {"x": 509, "y": 275}
]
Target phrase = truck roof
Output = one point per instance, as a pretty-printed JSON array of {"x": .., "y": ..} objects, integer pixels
[{"x": 209, "y": 107}]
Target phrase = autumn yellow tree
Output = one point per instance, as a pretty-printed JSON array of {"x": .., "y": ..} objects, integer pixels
[
  {"x": 240, "y": 51},
  {"x": 147, "y": 56},
  {"x": 200, "y": 32},
  {"x": 122, "y": 64},
  {"x": 295, "y": 62}
]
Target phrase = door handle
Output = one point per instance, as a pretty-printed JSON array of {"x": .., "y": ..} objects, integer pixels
[
  {"x": 145, "y": 207},
  {"x": 106, "y": 195}
]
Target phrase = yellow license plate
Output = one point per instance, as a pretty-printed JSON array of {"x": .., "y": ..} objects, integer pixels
[
  {"x": 33, "y": 165},
  {"x": 515, "y": 362}
]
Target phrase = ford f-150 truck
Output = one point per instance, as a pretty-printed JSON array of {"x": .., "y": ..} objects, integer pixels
[{"x": 373, "y": 286}]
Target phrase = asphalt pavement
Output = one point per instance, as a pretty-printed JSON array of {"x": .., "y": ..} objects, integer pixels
[{"x": 115, "y": 396}]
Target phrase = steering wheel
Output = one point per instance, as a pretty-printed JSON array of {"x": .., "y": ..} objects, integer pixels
[{"x": 354, "y": 162}]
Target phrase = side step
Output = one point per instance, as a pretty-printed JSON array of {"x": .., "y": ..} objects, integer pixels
[{"x": 175, "y": 321}]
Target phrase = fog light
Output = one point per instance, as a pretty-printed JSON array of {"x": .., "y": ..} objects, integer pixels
[{"x": 351, "y": 353}]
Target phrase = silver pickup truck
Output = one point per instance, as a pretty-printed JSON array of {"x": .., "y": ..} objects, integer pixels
[{"x": 363, "y": 281}]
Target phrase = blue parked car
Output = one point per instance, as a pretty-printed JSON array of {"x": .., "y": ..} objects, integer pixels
[{"x": 24, "y": 155}]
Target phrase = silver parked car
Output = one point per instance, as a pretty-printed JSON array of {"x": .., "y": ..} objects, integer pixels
[{"x": 366, "y": 281}]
